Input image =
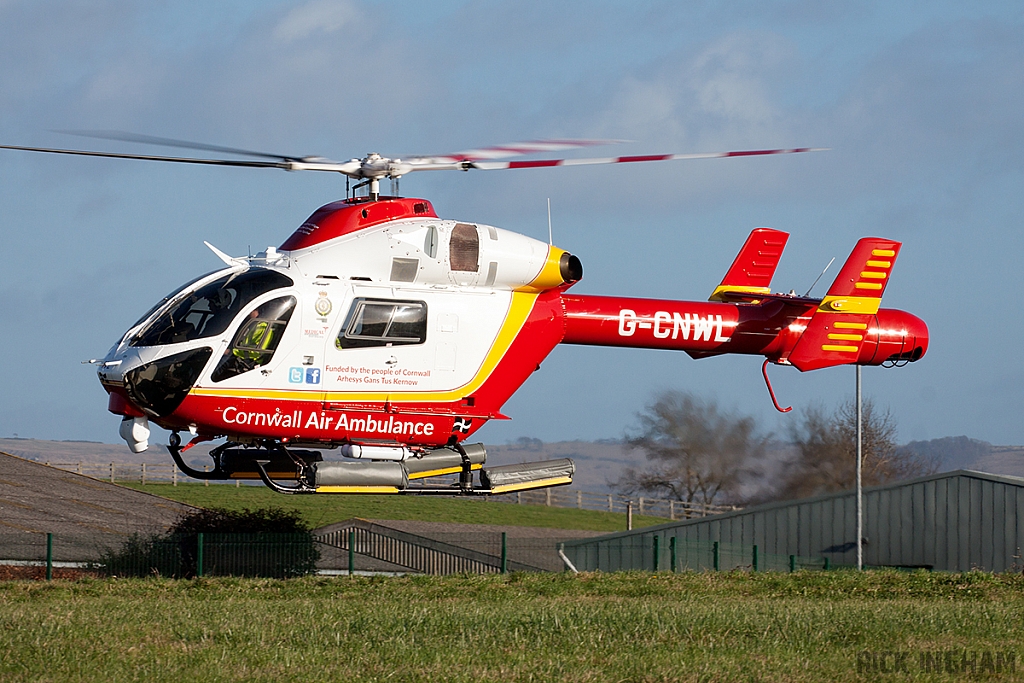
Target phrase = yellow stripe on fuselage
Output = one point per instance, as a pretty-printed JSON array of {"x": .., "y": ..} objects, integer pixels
[{"x": 519, "y": 310}]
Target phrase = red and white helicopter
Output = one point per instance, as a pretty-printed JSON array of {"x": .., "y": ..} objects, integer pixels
[{"x": 388, "y": 335}]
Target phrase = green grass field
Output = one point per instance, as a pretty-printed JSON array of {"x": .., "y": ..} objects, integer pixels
[
  {"x": 520, "y": 627},
  {"x": 320, "y": 510}
]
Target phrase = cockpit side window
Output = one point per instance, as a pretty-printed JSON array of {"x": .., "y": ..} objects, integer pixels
[
  {"x": 257, "y": 339},
  {"x": 377, "y": 322},
  {"x": 209, "y": 310}
]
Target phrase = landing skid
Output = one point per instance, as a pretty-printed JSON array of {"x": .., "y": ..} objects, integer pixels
[{"x": 272, "y": 463}]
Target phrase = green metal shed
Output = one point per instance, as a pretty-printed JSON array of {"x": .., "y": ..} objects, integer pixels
[{"x": 953, "y": 521}]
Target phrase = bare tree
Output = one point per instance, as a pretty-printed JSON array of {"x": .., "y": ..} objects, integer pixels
[
  {"x": 696, "y": 452},
  {"x": 825, "y": 457}
]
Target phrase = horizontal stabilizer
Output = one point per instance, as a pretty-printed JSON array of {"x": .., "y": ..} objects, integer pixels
[
  {"x": 831, "y": 340},
  {"x": 837, "y": 329},
  {"x": 752, "y": 271}
]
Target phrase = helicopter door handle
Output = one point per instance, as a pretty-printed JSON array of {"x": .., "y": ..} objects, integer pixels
[{"x": 391, "y": 361}]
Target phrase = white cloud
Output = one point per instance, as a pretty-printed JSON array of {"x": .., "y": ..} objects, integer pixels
[
  {"x": 318, "y": 16},
  {"x": 731, "y": 78},
  {"x": 725, "y": 93}
]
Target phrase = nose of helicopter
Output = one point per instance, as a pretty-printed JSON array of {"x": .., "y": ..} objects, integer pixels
[
  {"x": 157, "y": 388},
  {"x": 141, "y": 387}
]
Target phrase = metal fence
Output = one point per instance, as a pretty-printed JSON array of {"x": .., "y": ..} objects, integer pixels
[
  {"x": 365, "y": 548},
  {"x": 143, "y": 473},
  {"x": 476, "y": 553},
  {"x": 277, "y": 555},
  {"x": 361, "y": 548},
  {"x": 133, "y": 472},
  {"x": 614, "y": 502},
  {"x": 656, "y": 553}
]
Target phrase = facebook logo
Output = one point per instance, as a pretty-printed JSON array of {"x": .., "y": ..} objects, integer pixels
[
  {"x": 312, "y": 375},
  {"x": 295, "y": 375}
]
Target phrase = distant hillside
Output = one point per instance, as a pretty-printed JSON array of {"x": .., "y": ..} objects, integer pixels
[
  {"x": 94, "y": 452},
  {"x": 598, "y": 464},
  {"x": 962, "y": 452}
]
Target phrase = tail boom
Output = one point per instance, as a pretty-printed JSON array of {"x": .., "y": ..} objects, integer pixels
[
  {"x": 699, "y": 328},
  {"x": 771, "y": 328}
]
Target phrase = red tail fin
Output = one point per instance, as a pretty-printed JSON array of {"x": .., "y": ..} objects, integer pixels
[
  {"x": 751, "y": 273},
  {"x": 836, "y": 331}
]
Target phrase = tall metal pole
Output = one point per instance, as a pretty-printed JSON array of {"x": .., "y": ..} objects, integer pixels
[{"x": 860, "y": 491}]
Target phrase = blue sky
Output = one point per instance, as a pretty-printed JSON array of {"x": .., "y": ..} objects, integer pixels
[{"x": 920, "y": 102}]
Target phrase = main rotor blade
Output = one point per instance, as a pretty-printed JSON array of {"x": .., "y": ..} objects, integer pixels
[
  {"x": 541, "y": 163},
  {"x": 511, "y": 149},
  {"x": 516, "y": 148},
  {"x": 171, "y": 142},
  {"x": 349, "y": 168},
  {"x": 148, "y": 157}
]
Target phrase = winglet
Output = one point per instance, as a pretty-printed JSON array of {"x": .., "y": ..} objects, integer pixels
[
  {"x": 836, "y": 331},
  {"x": 751, "y": 273}
]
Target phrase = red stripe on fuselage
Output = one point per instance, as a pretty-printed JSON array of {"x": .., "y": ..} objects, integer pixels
[{"x": 294, "y": 420}]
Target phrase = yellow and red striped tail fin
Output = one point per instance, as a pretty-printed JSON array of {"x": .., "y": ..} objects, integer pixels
[
  {"x": 864, "y": 276},
  {"x": 836, "y": 331},
  {"x": 752, "y": 271}
]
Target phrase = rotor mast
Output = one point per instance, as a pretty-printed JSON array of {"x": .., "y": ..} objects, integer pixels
[{"x": 371, "y": 168}]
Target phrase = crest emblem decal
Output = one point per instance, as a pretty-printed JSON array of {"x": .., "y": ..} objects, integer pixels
[{"x": 323, "y": 304}]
